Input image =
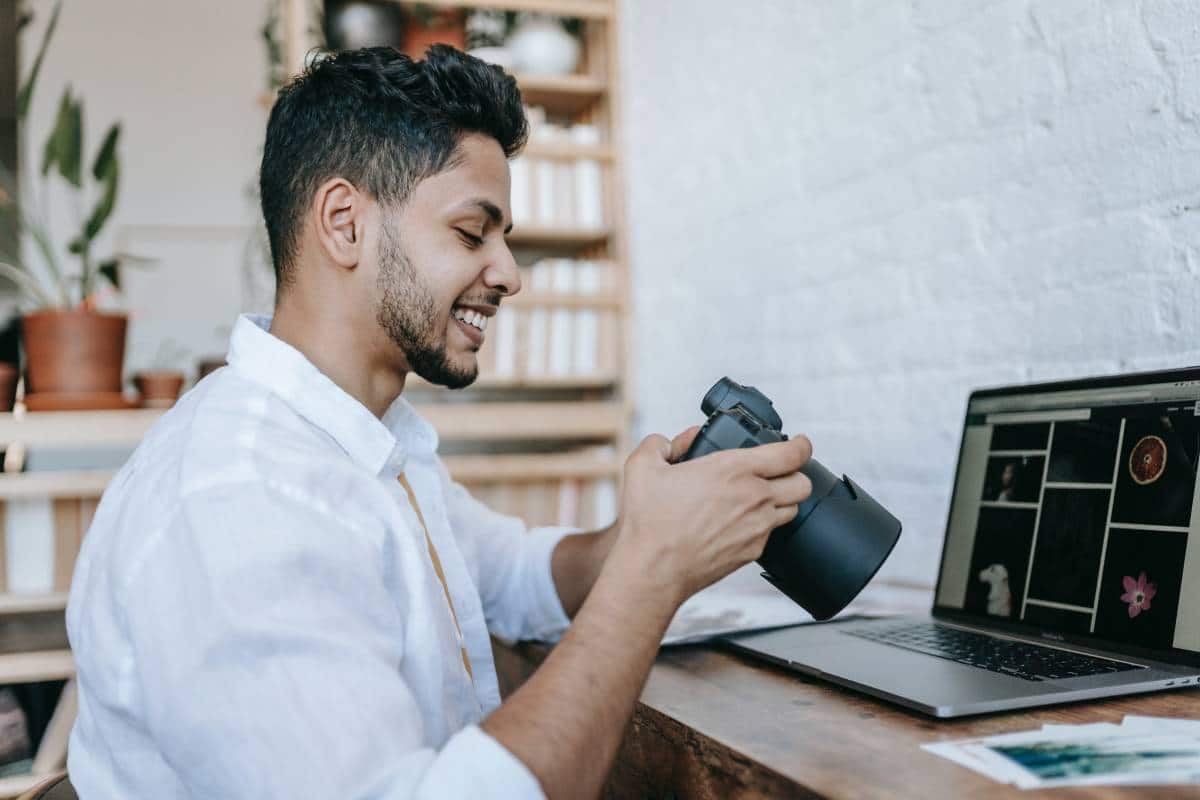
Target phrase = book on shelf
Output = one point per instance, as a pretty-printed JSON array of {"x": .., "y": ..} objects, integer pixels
[
  {"x": 42, "y": 537},
  {"x": 560, "y": 354},
  {"x": 587, "y": 321},
  {"x": 588, "y": 185},
  {"x": 536, "y": 328},
  {"x": 557, "y": 192}
]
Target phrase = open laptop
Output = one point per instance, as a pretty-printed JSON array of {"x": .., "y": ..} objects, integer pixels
[{"x": 1071, "y": 562}]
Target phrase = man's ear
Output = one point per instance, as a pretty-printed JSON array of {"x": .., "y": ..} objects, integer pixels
[{"x": 339, "y": 209}]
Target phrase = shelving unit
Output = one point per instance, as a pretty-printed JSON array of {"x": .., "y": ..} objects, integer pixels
[
  {"x": 545, "y": 445},
  {"x": 573, "y": 424}
]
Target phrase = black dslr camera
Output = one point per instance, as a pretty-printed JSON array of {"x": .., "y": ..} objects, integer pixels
[{"x": 840, "y": 536}]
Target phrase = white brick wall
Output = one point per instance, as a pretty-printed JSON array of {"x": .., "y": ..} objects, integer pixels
[{"x": 868, "y": 208}]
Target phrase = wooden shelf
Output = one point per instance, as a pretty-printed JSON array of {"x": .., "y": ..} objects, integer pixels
[
  {"x": 77, "y": 428},
  {"x": 568, "y": 152},
  {"x": 567, "y": 94},
  {"x": 532, "y": 468},
  {"x": 582, "y": 9},
  {"x": 54, "y": 483},
  {"x": 563, "y": 300},
  {"x": 542, "y": 236},
  {"x": 491, "y": 422},
  {"x": 29, "y": 602},
  {"x": 36, "y": 665}
]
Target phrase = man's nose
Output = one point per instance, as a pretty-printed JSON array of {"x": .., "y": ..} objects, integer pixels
[{"x": 503, "y": 275}]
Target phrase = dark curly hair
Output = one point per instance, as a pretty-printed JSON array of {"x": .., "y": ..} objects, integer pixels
[{"x": 382, "y": 121}]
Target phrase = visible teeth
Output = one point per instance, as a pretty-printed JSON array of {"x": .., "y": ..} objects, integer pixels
[{"x": 471, "y": 318}]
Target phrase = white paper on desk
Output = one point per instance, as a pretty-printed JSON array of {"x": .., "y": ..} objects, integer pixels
[
  {"x": 1082, "y": 755},
  {"x": 742, "y": 601}
]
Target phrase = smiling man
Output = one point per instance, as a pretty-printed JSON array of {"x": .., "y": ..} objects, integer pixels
[{"x": 284, "y": 594}]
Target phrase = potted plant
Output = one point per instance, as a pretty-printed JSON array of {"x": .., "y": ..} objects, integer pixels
[
  {"x": 74, "y": 351},
  {"x": 160, "y": 385},
  {"x": 426, "y": 25}
]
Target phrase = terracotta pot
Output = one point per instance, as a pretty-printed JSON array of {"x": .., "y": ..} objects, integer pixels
[
  {"x": 448, "y": 26},
  {"x": 159, "y": 388},
  {"x": 73, "y": 352},
  {"x": 8, "y": 385}
]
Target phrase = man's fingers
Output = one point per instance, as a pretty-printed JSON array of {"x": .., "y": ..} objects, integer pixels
[
  {"x": 792, "y": 489},
  {"x": 779, "y": 458},
  {"x": 655, "y": 446},
  {"x": 681, "y": 443}
]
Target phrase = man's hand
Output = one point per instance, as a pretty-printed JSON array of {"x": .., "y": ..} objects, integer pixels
[{"x": 685, "y": 526}]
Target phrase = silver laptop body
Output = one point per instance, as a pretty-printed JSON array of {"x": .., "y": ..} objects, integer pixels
[{"x": 1070, "y": 566}]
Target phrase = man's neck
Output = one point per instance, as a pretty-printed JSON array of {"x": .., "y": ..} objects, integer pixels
[{"x": 335, "y": 345}]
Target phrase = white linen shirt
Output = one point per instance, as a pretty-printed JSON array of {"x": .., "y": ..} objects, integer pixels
[{"x": 255, "y": 613}]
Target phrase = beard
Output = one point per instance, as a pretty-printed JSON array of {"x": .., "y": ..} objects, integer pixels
[{"x": 408, "y": 313}]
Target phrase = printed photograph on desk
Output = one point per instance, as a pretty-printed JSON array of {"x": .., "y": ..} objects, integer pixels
[
  {"x": 1070, "y": 538},
  {"x": 1139, "y": 590},
  {"x": 1083, "y": 452},
  {"x": 1156, "y": 476},
  {"x": 1026, "y": 436},
  {"x": 999, "y": 561},
  {"x": 1013, "y": 479}
]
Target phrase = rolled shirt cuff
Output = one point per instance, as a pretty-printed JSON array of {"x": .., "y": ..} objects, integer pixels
[
  {"x": 549, "y": 620},
  {"x": 473, "y": 764}
]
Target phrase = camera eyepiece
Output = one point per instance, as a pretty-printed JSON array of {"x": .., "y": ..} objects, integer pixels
[{"x": 727, "y": 394}]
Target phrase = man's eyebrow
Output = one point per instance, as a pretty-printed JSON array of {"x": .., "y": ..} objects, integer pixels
[{"x": 492, "y": 210}]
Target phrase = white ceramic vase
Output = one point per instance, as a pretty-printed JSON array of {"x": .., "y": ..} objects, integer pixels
[{"x": 541, "y": 46}]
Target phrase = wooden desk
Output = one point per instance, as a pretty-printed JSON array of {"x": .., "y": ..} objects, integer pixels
[{"x": 712, "y": 725}]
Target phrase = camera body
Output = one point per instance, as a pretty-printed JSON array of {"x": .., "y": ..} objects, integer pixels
[{"x": 840, "y": 535}]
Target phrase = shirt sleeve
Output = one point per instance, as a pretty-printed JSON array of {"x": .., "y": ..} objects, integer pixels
[
  {"x": 510, "y": 565},
  {"x": 267, "y": 658}
]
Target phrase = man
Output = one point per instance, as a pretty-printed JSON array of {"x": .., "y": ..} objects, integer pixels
[{"x": 284, "y": 595}]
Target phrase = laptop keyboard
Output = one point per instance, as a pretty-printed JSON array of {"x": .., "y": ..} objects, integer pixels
[{"x": 1018, "y": 659}]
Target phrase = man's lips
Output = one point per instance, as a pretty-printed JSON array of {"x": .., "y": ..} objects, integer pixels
[{"x": 472, "y": 320}]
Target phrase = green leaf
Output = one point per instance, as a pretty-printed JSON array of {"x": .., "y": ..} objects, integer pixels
[
  {"x": 26, "y": 94},
  {"x": 76, "y": 245},
  {"x": 64, "y": 148},
  {"x": 106, "y": 170},
  {"x": 111, "y": 270},
  {"x": 106, "y": 159}
]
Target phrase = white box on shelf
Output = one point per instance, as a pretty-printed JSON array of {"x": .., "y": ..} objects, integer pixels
[
  {"x": 29, "y": 545},
  {"x": 560, "y": 319}
]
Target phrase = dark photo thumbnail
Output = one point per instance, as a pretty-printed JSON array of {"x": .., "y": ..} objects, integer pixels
[
  {"x": 1139, "y": 590},
  {"x": 1013, "y": 479},
  {"x": 1083, "y": 452},
  {"x": 1057, "y": 619},
  {"x": 1027, "y": 436},
  {"x": 1070, "y": 536},
  {"x": 999, "y": 561},
  {"x": 1156, "y": 475}
]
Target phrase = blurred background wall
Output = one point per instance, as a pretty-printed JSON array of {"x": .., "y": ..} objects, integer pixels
[
  {"x": 864, "y": 208},
  {"x": 867, "y": 208}
]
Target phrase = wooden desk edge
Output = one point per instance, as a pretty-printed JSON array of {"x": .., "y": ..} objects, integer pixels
[{"x": 713, "y": 724}]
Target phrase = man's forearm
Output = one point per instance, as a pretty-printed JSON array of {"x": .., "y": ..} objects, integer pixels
[
  {"x": 576, "y": 565},
  {"x": 565, "y": 723}
]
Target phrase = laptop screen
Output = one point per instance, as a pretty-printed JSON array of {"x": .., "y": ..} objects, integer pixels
[{"x": 1075, "y": 510}]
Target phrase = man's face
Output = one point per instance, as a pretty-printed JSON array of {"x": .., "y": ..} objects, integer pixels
[{"x": 444, "y": 264}]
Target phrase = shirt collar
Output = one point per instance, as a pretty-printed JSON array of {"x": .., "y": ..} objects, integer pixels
[{"x": 283, "y": 370}]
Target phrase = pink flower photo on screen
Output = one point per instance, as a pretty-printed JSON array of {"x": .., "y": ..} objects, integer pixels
[{"x": 1138, "y": 594}]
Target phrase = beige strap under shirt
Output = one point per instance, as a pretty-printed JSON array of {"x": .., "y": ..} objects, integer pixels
[{"x": 437, "y": 567}]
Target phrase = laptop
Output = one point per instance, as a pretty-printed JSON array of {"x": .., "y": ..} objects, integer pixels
[{"x": 1070, "y": 566}]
